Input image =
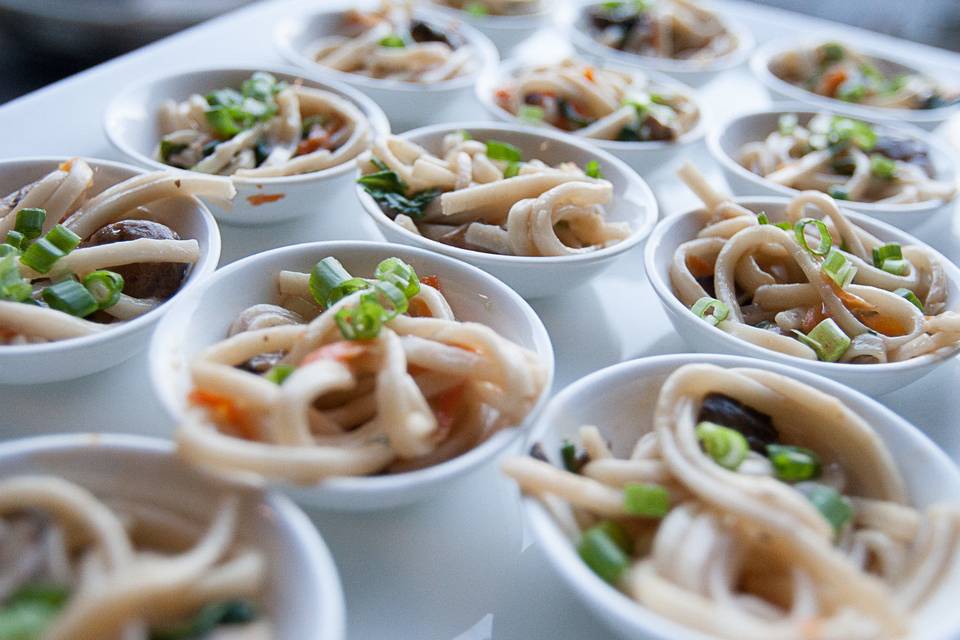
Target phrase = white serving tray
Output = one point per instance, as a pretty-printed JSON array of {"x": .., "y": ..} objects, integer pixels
[{"x": 458, "y": 567}]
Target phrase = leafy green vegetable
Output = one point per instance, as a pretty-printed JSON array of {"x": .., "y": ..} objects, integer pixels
[
  {"x": 30, "y": 611},
  {"x": 207, "y": 619},
  {"x": 389, "y": 191}
]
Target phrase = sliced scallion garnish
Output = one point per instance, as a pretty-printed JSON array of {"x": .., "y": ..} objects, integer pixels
[
  {"x": 711, "y": 310},
  {"x": 910, "y": 296},
  {"x": 592, "y": 169},
  {"x": 361, "y": 321},
  {"x": 279, "y": 372},
  {"x": 530, "y": 113},
  {"x": 838, "y": 268},
  {"x": 643, "y": 499},
  {"x": 793, "y": 464},
  {"x": 63, "y": 239},
  {"x": 895, "y": 267},
  {"x": 497, "y": 150},
  {"x": 602, "y": 554},
  {"x": 41, "y": 255},
  {"x": 70, "y": 297},
  {"x": 105, "y": 287},
  {"x": 393, "y": 41},
  {"x": 886, "y": 252},
  {"x": 13, "y": 286},
  {"x": 727, "y": 447},
  {"x": 835, "y": 508},
  {"x": 330, "y": 282},
  {"x": 512, "y": 170},
  {"x": 883, "y": 167},
  {"x": 837, "y": 192},
  {"x": 15, "y": 239},
  {"x": 30, "y": 222},
  {"x": 401, "y": 274},
  {"x": 827, "y": 339},
  {"x": 825, "y": 242}
]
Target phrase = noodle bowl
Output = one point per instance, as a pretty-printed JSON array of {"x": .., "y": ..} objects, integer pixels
[{"x": 803, "y": 527}]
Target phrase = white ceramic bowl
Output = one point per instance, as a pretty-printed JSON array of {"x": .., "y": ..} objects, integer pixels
[
  {"x": 407, "y": 104},
  {"x": 132, "y": 124},
  {"x": 532, "y": 277},
  {"x": 505, "y": 32},
  {"x": 725, "y": 142},
  {"x": 643, "y": 157},
  {"x": 620, "y": 401},
  {"x": 68, "y": 359},
  {"x": 691, "y": 72},
  {"x": 203, "y": 318},
  {"x": 303, "y": 599},
  {"x": 873, "y": 379},
  {"x": 783, "y": 90}
]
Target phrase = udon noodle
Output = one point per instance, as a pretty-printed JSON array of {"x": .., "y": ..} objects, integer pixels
[
  {"x": 598, "y": 103},
  {"x": 754, "y": 507},
  {"x": 837, "y": 71},
  {"x": 73, "y": 262},
  {"x": 483, "y": 196},
  {"x": 265, "y": 129},
  {"x": 675, "y": 29},
  {"x": 76, "y": 566},
  {"x": 847, "y": 159},
  {"x": 481, "y": 8},
  {"x": 812, "y": 287},
  {"x": 349, "y": 376},
  {"x": 390, "y": 44}
]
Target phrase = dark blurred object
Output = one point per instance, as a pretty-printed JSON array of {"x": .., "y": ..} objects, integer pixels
[
  {"x": 933, "y": 22},
  {"x": 44, "y": 40}
]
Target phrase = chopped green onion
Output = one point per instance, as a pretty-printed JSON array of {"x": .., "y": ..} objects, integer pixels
[
  {"x": 827, "y": 339},
  {"x": 63, "y": 239},
  {"x": 883, "y": 167},
  {"x": 30, "y": 222},
  {"x": 851, "y": 91},
  {"x": 787, "y": 124},
  {"x": 168, "y": 148},
  {"x": 592, "y": 169},
  {"x": 224, "y": 98},
  {"x": 222, "y": 122},
  {"x": 465, "y": 134},
  {"x": 13, "y": 286},
  {"x": 70, "y": 297},
  {"x": 27, "y": 619},
  {"x": 602, "y": 554},
  {"x": 834, "y": 507},
  {"x": 642, "y": 499},
  {"x": 400, "y": 274},
  {"x": 279, "y": 372},
  {"x": 573, "y": 461},
  {"x": 476, "y": 9},
  {"x": 530, "y": 113},
  {"x": 104, "y": 286},
  {"x": 330, "y": 282},
  {"x": 910, "y": 296},
  {"x": 762, "y": 218},
  {"x": 883, "y": 253},
  {"x": 838, "y": 268},
  {"x": 833, "y": 51},
  {"x": 497, "y": 150},
  {"x": 389, "y": 297},
  {"x": 8, "y": 250},
  {"x": 15, "y": 239},
  {"x": 727, "y": 447},
  {"x": 837, "y": 192},
  {"x": 793, "y": 464},
  {"x": 360, "y": 322},
  {"x": 512, "y": 170},
  {"x": 616, "y": 533},
  {"x": 826, "y": 240},
  {"x": 41, "y": 255},
  {"x": 896, "y": 267},
  {"x": 262, "y": 86},
  {"x": 711, "y": 310},
  {"x": 847, "y": 130},
  {"x": 393, "y": 41}
]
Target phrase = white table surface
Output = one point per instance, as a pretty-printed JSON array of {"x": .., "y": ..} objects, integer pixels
[{"x": 456, "y": 567}]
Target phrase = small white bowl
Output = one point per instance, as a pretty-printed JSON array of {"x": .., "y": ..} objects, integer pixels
[
  {"x": 620, "y": 400},
  {"x": 530, "y": 276},
  {"x": 643, "y": 157},
  {"x": 76, "y": 357},
  {"x": 725, "y": 142},
  {"x": 303, "y": 594},
  {"x": 783, "y": 90},
  {"x": 873, "y": 379},
  {"x": 203, "y": 318},
  {"x": 694, "y": 73},
  {"x": 132, "y": 124},
  {"x": 505, "y": 32},
  {"x": 407, "y": 104}
]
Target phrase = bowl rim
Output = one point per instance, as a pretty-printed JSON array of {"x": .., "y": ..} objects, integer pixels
[
  {"x": 311, "y": 549},
  {"x": 727, "y": 163},
  {"x": 763, "y": 56},
  {"x": 558, "y": 548},
  {"x": 204, "y": 267},
  {"x": 508, "y": 68},
  {"x": 517, "y": 22},
  {"x": 285, "y": 28},
  {"x": 672, "y": 304},
  {"x": 164, "y": 344},
  {"x": 633, "y": 181},
  {"x": 370, "y": 109},
  {"x": 745, "y": 45}
]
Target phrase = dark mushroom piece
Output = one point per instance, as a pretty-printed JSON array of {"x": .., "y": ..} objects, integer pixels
[
  {"x": 159, "y": 280},
  {"x": 755, "y": 426},
  {"x": 422, "y": 32}
]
